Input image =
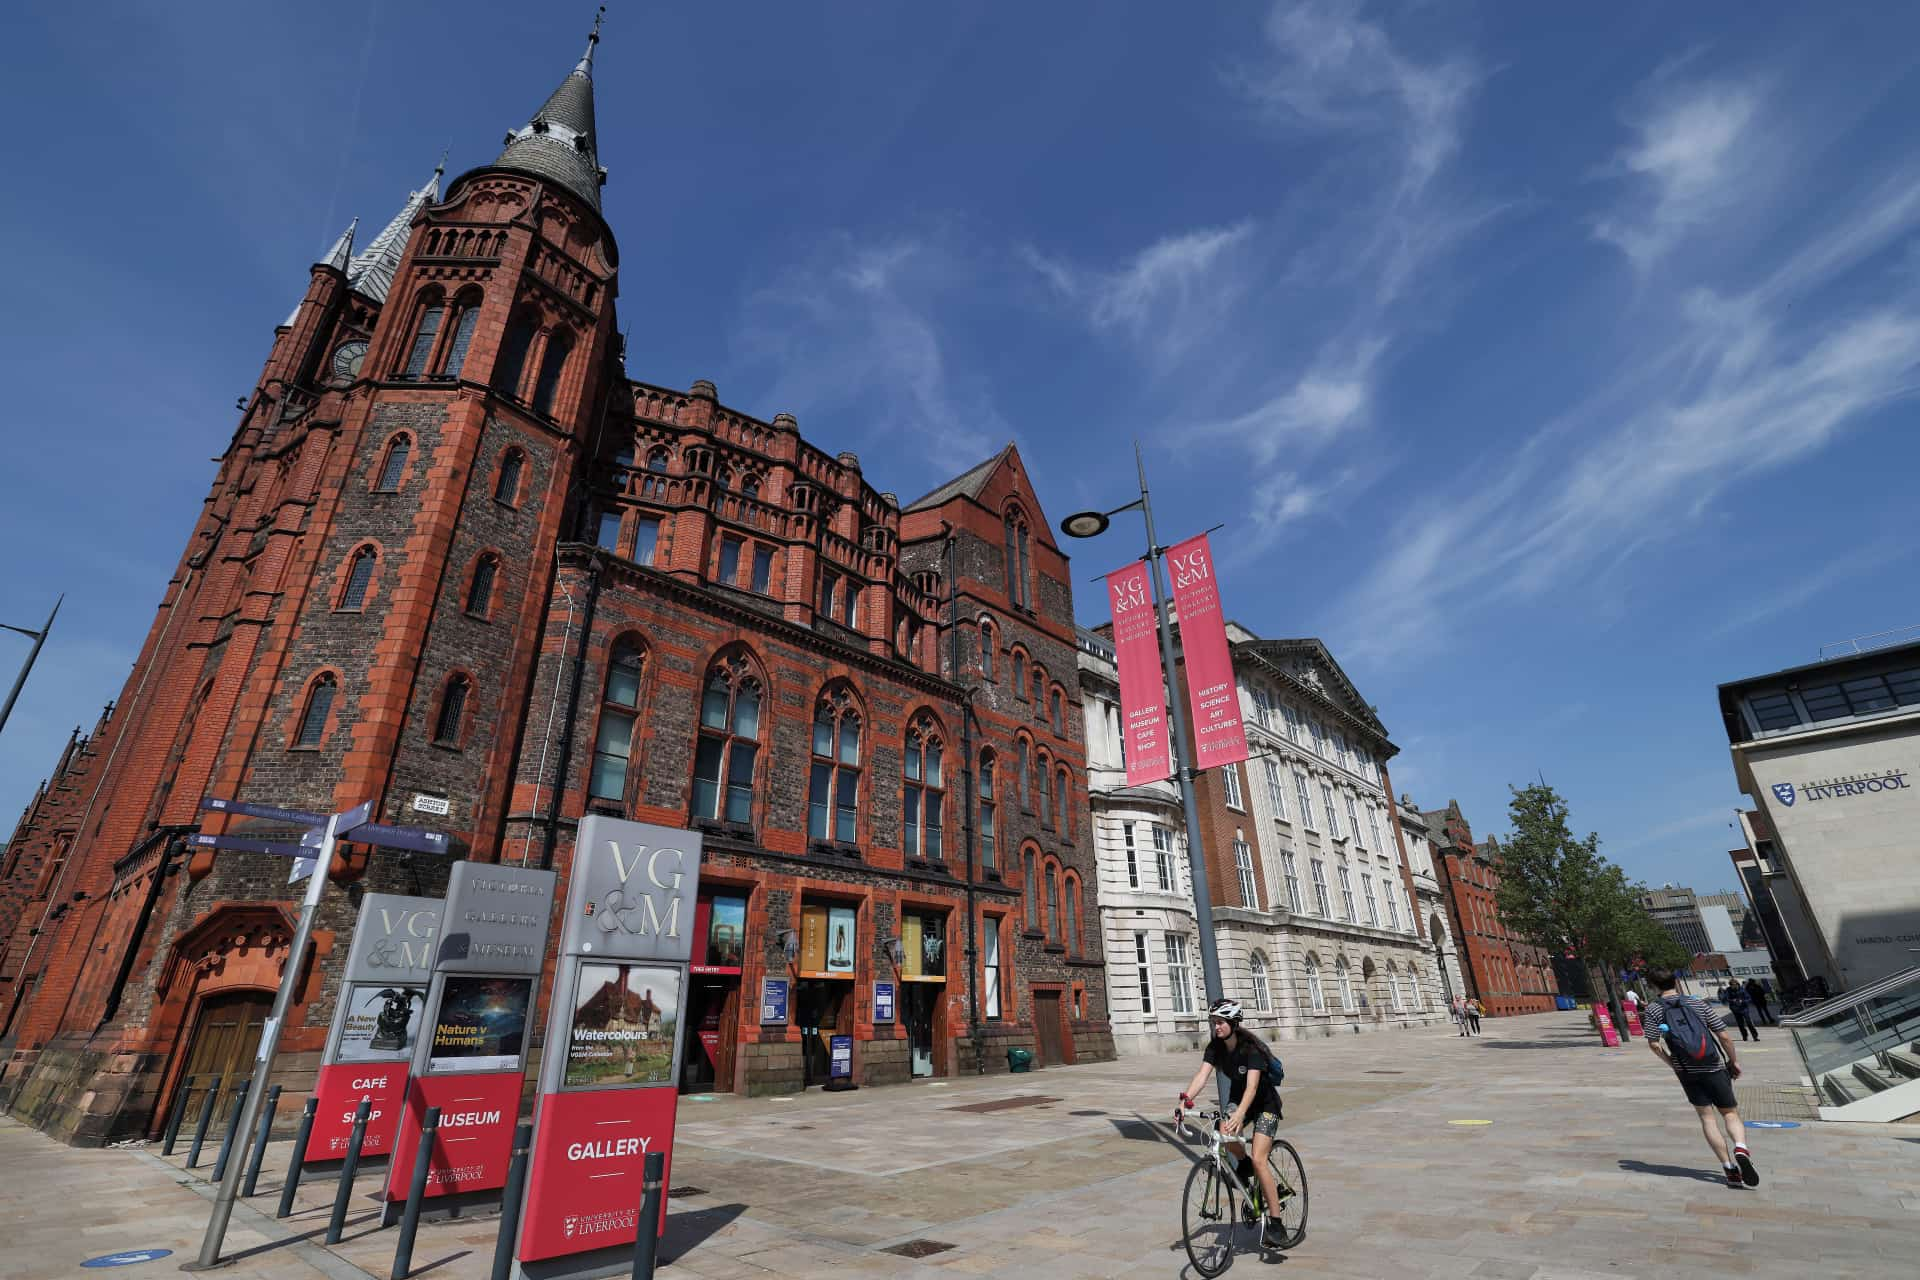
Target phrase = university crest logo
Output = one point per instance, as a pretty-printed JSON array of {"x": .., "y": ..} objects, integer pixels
[{"x": 1783, "y": 792}]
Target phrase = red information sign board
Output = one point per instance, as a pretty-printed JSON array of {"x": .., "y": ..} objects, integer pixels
[
  {"x": 339, "y": 1089},
  {"x": 589, "y": 1153},
  {"x": 477, "y": 1118}
]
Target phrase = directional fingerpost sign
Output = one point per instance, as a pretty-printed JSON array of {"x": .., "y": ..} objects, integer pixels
[
  {"x": 241, "y": 808},
  {"x": 417, "y": 839},
  {"x": 246, "y": 844}
]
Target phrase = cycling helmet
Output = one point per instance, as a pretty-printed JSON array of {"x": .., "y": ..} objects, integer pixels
[{"x": 1227, "y": 1009}]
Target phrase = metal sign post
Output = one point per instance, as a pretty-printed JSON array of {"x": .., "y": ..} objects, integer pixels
[{"x": 270, "y": 1038}]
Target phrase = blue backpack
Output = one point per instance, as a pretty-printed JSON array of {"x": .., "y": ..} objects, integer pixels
[
  {"x": 1688, "y": 1037},
  {"x": 1276, "y": 1071}
]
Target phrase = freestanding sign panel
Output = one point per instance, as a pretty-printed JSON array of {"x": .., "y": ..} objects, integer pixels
[
  {"x": 615, "y": 1035},
  {"x": 376, "y": 1024},
  {"x": 469, "y": 1058}
]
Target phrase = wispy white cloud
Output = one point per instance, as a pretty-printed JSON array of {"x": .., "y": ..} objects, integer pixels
[
  {"x": 1691, "y": 161},
  {"x": 854, "y": 333},
  {"x": 1703, "y": 820}
]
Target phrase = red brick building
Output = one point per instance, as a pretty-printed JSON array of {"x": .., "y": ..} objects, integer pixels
[
  {"x": 456, "y": 561},
  {"x": 1503, "y": 973}
]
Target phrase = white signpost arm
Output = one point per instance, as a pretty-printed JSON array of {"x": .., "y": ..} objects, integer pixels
[{"x": 263, "y": 1060}]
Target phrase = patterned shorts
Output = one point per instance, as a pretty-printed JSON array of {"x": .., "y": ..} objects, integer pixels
[{"x": 1267, "y": 1123}]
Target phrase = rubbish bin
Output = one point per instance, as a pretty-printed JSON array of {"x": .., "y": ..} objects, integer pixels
[{"x": 1019, "y": 1060}]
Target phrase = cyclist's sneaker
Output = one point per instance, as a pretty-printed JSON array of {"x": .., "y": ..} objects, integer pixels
[{"x": 1273, "y": 1234}]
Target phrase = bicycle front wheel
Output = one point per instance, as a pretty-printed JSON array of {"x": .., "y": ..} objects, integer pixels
[
  {"x": 1291, "y": 1177},
  {"x": 1210, "y": 1218}
]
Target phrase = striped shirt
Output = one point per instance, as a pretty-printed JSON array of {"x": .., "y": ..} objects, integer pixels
[{"x": 1653, "y": 1017}]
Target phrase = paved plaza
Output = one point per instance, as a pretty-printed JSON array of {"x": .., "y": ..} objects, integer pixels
[{"x": 1592, "y": 1166}]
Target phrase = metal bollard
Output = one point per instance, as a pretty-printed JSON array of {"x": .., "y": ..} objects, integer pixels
[
  {"x": 416, "y": 1192},
  {"x": 260, "y": 1141},
  {"x": 298, "y": 1158},
  {"x": 348, "y": 1167},
  {"x": 233, "y": 1132},
  {"x": 646, "y": 1235},
  {"x": 176, "y": 1114},
  {"x": 206, "y": 1118},
  {"x": 509, "y": 1233}
]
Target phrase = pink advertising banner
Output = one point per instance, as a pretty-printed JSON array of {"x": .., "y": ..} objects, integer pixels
[
  {"x": 1219, "y": 734},
  {"x": 1143, "y": 696}
]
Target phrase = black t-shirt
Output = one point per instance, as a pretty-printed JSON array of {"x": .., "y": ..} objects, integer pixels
[{"x": 1235, "y": 1063}]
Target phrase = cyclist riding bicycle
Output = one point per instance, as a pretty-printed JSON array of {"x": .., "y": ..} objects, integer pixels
[{"x": 1243, "y": 1058}]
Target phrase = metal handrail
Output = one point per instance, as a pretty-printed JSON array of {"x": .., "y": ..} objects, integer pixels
[
  {"x": 1850, "y": 999},
  {"x": 1869, "y": 642}
]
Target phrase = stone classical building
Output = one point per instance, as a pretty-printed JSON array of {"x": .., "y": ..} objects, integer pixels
[
  {"x": 1429, "y": 901},
  {"x": 456, "y": 561},
  {"x": 1312, "y": 898}
]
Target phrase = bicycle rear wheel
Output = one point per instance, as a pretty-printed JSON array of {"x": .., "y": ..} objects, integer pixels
[
  {"x": 1291, "y": 1177},
  {"x": 1211, "y": 1221}
]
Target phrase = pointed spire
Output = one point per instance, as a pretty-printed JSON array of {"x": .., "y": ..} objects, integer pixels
[
  {"x": 558, "y": 144},
  {"x": 342, "y": 251},
  {"x": 371, "y": 273}
]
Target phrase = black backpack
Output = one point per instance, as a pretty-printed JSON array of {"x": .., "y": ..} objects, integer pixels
[{"x": 1688, "y": 1037}]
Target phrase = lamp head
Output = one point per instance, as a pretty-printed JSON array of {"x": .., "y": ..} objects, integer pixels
[{"x": 1085, "y": 524}]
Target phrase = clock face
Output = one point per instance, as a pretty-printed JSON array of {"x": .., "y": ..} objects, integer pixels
[{"x": 347, "y": 359}]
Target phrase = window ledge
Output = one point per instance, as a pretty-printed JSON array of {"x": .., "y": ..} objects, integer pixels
[
  {"x": 835, "y": 849},
  {"x": 720, "y": 827}
]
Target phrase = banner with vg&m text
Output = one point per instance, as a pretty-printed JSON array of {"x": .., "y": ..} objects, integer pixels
[
  {"x": 1219, "y": 732},
  {"x": 1143, "y": 696}
]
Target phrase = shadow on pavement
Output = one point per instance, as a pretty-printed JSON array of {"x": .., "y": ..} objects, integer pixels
[
  {"x": 432, "y": 1266},
  {"x": 1142, "y": 1129},
  {"x": 689, "y": 1229},
  {"x": 1672, "y": 1171},
  {"x": 304, "y": 1236}
]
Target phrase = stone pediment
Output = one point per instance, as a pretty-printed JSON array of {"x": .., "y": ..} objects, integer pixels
[{"x": 1312, "y": 666}]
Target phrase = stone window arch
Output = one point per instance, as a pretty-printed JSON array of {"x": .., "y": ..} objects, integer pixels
[
  {"x": 316, "y": 711},
  {"x": 833, "y": 780},
  {"x": 429, "y": 309},
  {"x": 614, "y": 736},
  {"x": 359, "y": 578},
  {"x": 393, "y": 464},
  {"x": 732, "y": 708},
  {"x": 450, "y": 720},
  {"x": 923, "y": 789}
]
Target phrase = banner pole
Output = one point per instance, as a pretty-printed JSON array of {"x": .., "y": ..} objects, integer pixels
[
  {"x": 263, "y": 1059},
  {"x": 1196, "y": 858}
]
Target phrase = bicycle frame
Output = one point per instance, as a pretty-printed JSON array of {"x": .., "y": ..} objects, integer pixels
[{"x": 1217, "y": 1145}]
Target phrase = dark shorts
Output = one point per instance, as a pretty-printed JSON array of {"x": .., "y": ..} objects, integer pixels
[{"x": 1715, "y": 1089}]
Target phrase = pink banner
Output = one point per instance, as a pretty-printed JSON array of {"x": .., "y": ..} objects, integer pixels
[
  {"x": 1143, "y": 695},
  {"x": 1219, "y": 734}
]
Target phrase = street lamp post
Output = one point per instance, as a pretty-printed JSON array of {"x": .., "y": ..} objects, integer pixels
[
  {"x": 39, "y": 638},
  {"x": 1090, "y": 524}
]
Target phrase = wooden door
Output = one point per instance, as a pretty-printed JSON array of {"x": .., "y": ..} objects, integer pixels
[
  {"x": 224, "y": 1041},
  {"x": 1048, "y": 1047}
]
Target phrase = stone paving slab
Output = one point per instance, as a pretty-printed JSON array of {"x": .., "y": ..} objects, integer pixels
[{"x": 1593, "y": 1166}]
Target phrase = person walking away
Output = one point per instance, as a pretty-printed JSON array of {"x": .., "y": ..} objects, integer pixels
[
  {"x": 1758, "y": 994},
  {"x": 1473, "y": 1015},
  {"x": 1690, "y": 1035},
  {"x": 1247, "y": 1063},
  {"x": 1735, "y": 997}
]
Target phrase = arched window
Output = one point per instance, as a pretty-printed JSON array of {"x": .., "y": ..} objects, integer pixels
[
  {"x": 1393, "y": 988},
  {"x": 1023, "y": 783},
  {"x": 1052, "y": 876},
  {"x": 833, "y": 787},
  {"x": 1058, "y": 707},
  {"x": 1032, "y": 895},
  {"x": 1413, "y": 985},
  {"x": 1257, "y": 971},
  {"x": 1315, "y": 996},
  {"x": 552, "y": 365},
  {"x": 989, "y": 806},
  {"x": 394, "y": 469},
  {"x": 425, "y": 329},
  {"x": 657, "y": 461},
  {"x": 506, "y": 488},
  {"x": 724, "y": 477},
  {"x": 1062, "y": 788},
  {"x": 750, "y": 487},
  {"x": 987, "y": 645},
  {"x": 313, "y": 718},
  {"x": 512, "y": 359},
  {"x": 464, "y": 322},
  {"x": 480, "y": 590},
  {"x": 1039, "y": 690},
  {"x": 1046, "y": 791},
  {"x": 729, "y": 742},
  {"x": 923, "y": 791},
  {"x": 1019, "y": 675},
  {"x": 1344, "y": 977},
  {"x": 453, "y": 708},
  {"x": 359, "y": 578},
  {"x": 1018, "y": 567},
  {"x": 619, "y": 712},
  {"x": 1073, "y": 913}
]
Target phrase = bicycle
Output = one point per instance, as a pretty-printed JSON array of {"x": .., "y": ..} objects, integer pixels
[{"x": 1218, "y": 1208}]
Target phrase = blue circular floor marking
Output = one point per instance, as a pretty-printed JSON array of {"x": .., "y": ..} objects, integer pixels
[
  {"x": 127, "y": 1257},
  {"x": 1773, "y": 1124}
]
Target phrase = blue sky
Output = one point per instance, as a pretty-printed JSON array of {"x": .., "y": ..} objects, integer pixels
[{"x": 1553, "y": 363}]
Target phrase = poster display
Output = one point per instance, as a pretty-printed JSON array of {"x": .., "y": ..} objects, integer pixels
[
  {"x": 883, "y": 1002},
  {"x": 925, "y": 948},
  {"x": 726, "y": 932},
  {"x": 376, "y": 1024},
  {"x": 773, "y": 1000},
  {"x": 1143, "y": 692},
  {"x": 841, "y": 932},
  {"x": 624, "y": 1020},
  {"x": 616, "y": 1037},
  {"x": 1219, "y": 732},
  {"x": 813, "y": 939},
  {"x": 482, "y": 1023}
]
